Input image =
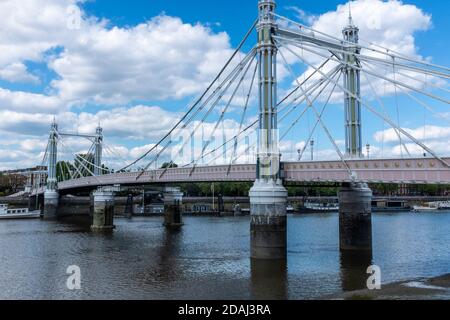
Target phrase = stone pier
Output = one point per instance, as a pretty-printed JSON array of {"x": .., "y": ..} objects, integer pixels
[
  {"x": 268, "y": 229},
  {"x": 103, "y": 218},
  {"x": 173, "y": 200},
  {"x": 355, "y": 217},
  {"x": 51, "y": 202}
]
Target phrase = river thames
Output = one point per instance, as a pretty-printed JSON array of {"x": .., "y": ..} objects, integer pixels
[{"x": 209, "y": 258}]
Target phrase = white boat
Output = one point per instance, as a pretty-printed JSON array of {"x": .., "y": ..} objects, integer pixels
[
  {"x": 424, "y": 209},
  {"x": 313, "y": 207},
  {"x": 19, "y": 213},
  {"x": 433, "y": 206},
  {"x": 444, "y": 205}
]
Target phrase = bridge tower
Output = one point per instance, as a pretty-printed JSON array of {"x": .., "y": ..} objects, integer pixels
[
  {"x": 352, "y": 82},
  {"x": 268, "y": 197},
  {"x": 355, "y": 199},
  {"x": 98, "y": 151},
  {"x": 51, "y": 196}
]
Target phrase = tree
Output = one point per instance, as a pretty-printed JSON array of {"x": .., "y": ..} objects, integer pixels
[
  {"x": 62, "y": 170},
  {"x": 167, "y": 165}
]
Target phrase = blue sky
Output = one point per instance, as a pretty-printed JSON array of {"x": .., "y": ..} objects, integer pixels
[{"x": 78, "y": 76}]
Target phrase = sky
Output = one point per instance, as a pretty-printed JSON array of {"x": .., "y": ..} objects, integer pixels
[{"x": 135, "y": 67}]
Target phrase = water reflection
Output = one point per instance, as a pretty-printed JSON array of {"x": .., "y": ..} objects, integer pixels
[
  {"x": 269, "y": 279},
  {"x": 354, "y": 266},
  {"x": 209, "y": 258}
]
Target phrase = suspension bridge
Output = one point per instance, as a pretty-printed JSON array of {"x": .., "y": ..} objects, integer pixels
[{"x": 249, "y": 79}]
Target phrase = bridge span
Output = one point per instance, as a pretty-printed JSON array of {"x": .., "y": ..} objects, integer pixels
[{"x": 397, "y": 171}]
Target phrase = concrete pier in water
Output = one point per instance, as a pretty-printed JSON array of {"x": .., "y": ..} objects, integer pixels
[
  {"x": 51, "y": 202},
  {"x": 103, "y": 217},
  {"x": 268, "y": 229},
  {"x": 355, "y": 217},
  {"x": 173, "y": 217}
]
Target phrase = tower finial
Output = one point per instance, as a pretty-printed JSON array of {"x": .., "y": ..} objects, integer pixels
[{"x": 350, "y": 18}]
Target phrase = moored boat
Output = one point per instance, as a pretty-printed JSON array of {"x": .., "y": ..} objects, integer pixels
[
  {"x": 390, "y": 206},
  {"x": 19, "y": 213},
  {"x": 433, "y": 206},
  {"x": 315, "y": 207}
]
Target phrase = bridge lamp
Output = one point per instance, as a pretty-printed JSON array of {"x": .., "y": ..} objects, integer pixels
[
  {"x": 312, "y": 149},
  {"x": 368, "y": 150}
]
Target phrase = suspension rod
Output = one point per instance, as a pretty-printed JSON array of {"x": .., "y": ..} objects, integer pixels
[
  {"x": 370, "y": 108},
  {"x": 198, "y": 100},
  {"x": 377, "y": 75}
]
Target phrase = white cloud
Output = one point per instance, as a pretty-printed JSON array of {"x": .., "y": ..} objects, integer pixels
[
  {"x": 17, "y": 72},
  {"x": 425, "y": 133},
  {"x": 434, "y": 137},
  {"x": 29, "y": 102},
  {"x": 163, "y": 58}
]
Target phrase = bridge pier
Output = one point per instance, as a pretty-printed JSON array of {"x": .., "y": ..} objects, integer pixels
[
  {"x": 268, "y": 229},
  {"x": 173, "y": 217},
  {"x": 103, "y": 218},
  {"x": 51, "y": 202},
  {"x": 355, "y": 217}
]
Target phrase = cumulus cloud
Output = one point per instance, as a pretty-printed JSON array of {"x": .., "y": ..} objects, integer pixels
[
  {"x": 163, "y": 58},
  {"x": 17, "y": 72},
  {"x": 434, "y": 137},
  {"x": 21, "y": 101}
]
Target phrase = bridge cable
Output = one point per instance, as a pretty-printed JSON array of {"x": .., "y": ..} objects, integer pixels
[
  {"x": 297, "y": 120},
  {"x": 78, "y": 158},
  {"x": 366, "y": 57},
  {"x": 221, "y": 118},
  {"x": 351, "y": 173},
  {"x": 298, "y": 45},
  {"x": 317, "y": 122},
  {"x": 223, "y": 113},
  {"x": 227, "y": 142},
  {"x": 241, "y": 66},
  {"x": 342, "y": 41},
  {"x": 315, "y": 87},
  {"x": 397, "y": 105},
  {"x": 244, "y": 112},
  {"x": 383, "y": 107},
  {"x": 297, "y": 87},
  {"x": 199, "y": 100},
  {"x": 423, "y": 104},
  {"x": 374, "y": 111},
  {"x": 235, "y": 73}
]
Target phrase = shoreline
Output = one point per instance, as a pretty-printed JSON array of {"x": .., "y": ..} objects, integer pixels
[{"x": 435, "y": 288}]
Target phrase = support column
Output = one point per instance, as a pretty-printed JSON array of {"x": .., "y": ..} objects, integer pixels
[
  {"x": 352, "y": 82},
  {"x": 129, "y": 207},
  {"x": 268, "y": 229},
  {"x": 173, "y": 200},
  {"x": 98, "y": 152},
  {"x": 355, "y": 217},
  {"x": 268, "y": 197},
  {"x": 51, "y": 195},
  {"x": 103, "y": 219},
  {"x": 29, "y": 184},
  {"x": 51, "y": 202}
]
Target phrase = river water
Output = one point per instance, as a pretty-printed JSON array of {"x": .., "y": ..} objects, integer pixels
[{"x": 209, "y": 258}]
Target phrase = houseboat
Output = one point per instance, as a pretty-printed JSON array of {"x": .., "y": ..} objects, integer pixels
[
  {"x": 318, "y": 207},
  {"x": 19, "y": 213},
  {"x": 390, "y": 206}
]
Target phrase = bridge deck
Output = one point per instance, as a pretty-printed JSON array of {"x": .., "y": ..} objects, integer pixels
[{"x": 401, "y": 171}]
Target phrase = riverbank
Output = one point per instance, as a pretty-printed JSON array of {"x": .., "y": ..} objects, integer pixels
[{"x": 437, "y": 288}]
